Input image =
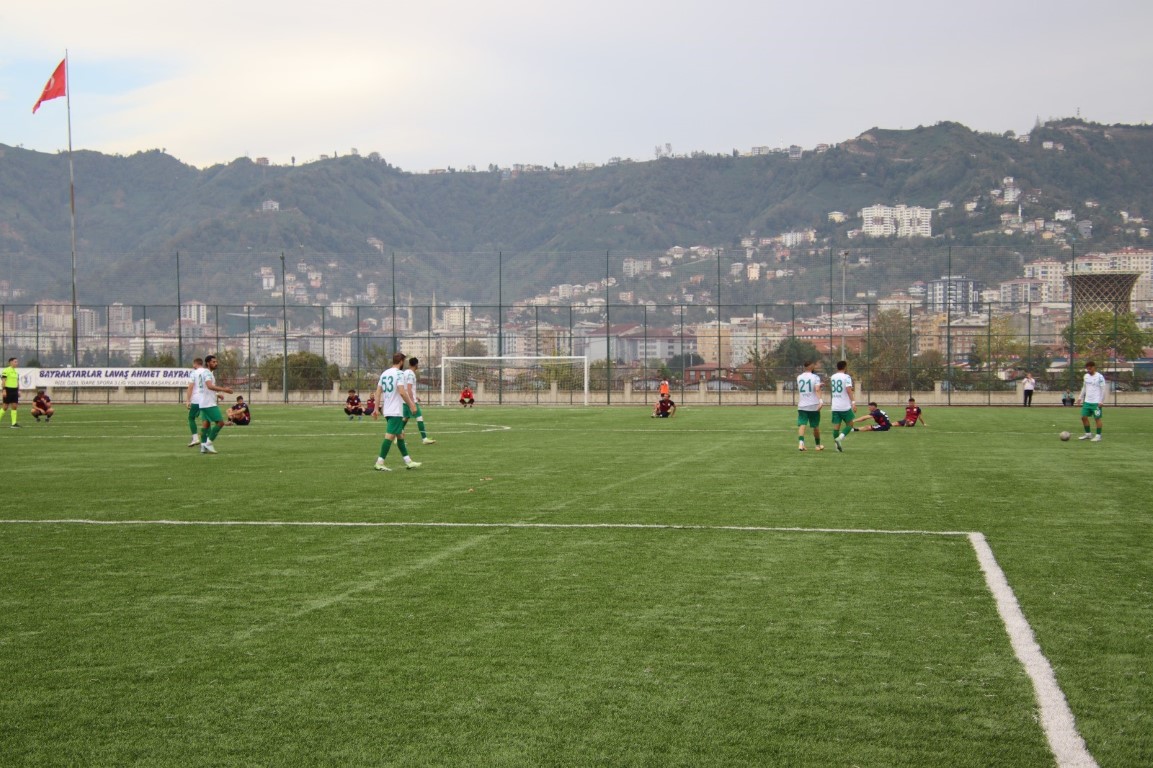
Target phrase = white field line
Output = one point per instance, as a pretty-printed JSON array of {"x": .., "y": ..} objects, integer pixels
[{"x": 1057, "y": 720}]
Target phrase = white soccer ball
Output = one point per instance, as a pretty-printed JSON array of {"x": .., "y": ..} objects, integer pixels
[{"x": 1065, "y": 436}]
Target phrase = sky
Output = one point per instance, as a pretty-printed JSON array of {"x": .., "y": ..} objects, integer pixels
[{"x": 451, "y": 84}]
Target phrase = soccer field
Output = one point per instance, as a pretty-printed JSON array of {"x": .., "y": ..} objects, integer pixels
[{"x": 583, "y": 586}]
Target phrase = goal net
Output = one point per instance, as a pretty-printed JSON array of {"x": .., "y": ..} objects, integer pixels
[{"x": 515, "y": 379}]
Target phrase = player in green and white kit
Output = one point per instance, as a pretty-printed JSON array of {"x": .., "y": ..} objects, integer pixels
[
  {"x": 841, "y": 385},
  {"x": 392, "y": 394},
  {"x": 193, "y": 408},
  {"x": 1091, "y": 397},
  {"x": 204, "y": 391},
  {"x": 809, "y": 405},
  {"x": 410, "y": 381}
]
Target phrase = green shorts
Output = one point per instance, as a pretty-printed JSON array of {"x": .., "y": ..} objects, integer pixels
[
  {"x": 212, "y": 413},
  {"x": 394, "y": 425},
  {"x": 408, "y": 412},
  {"x": 845, "y": 417},
  {"x": 1090, "y": 410},
  {"x": 809, "y": 419}
]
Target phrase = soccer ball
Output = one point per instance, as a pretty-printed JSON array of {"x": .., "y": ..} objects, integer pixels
[{"x": 1064, "y": 436}]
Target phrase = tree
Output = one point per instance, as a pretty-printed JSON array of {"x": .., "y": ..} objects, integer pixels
[
  {"x": 228, "y": 365},
  {"x": 469, "y": 348},
  {"x": 305, "y": 371},
  {"x": 764, "y": 375},
  {"x": 1102, "y": 335},
  {"x": 792, "y": 353},
  {"x": 687, "y": 360},
  {"x": 890, "y": 342}
]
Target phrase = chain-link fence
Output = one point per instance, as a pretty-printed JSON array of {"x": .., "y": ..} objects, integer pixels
[{"x": 962, "y": 325}]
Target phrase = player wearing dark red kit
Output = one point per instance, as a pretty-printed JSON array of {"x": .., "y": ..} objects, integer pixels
[
  {"x": 42, "y": 406},
  {"x": 239, "y": 415},
  {"x": 352, "y": 405},
  {"x": 370, "y": 406},
  {"x": 880, "y": 420},
  {"x": 665, "y": 408},
  {"x": 912, "y": 415}
]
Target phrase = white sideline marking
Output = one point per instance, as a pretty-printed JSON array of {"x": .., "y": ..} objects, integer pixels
[{"x": 1057, "y": 720}]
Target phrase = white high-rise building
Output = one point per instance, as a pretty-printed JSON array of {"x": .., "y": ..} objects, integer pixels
[{"x": 900, "y": 220}]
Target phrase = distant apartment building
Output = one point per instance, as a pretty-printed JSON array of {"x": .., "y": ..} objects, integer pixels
[
  {"x": 633, "y": 267},
  {"x": 1022, "y": 291},
  {"x": 194, "y": 312},
  {"x": 899, "y": 220},
  {"x": 956, "y": 294}
]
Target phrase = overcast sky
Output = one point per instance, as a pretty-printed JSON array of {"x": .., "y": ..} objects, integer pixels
[{"x": 441, "y": 83}]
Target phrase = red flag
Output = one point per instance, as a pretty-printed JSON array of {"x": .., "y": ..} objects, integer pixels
[{"x": 55, "y": 88}]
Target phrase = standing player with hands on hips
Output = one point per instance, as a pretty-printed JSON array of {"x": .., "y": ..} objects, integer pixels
[
  {"x": 841, "y": 384},
  {"x": 393, "y": 397}
]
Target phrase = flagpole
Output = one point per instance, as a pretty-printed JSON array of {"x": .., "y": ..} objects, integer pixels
[{"x": 72, "y": 201}]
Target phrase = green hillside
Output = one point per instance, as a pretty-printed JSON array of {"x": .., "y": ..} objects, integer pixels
[{"x": 134, "y": 213}]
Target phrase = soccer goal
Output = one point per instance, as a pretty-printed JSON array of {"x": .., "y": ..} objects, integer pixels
[{"x": 516, "y": 379}]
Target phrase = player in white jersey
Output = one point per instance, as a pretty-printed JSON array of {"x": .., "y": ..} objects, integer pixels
[
  {"x": 809, "y": 405},
  {"x": 193, "y": 408},
  {"x": 204, "y": 391},
  {"x": 841, "y": 385},
  {"x": 410, "y": 381},
  {"x": 1090, "y": 399},
  {"x": 392, "y": 394}
]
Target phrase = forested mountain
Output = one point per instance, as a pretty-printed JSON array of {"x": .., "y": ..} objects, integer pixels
[{"x": 134, "y": 213}]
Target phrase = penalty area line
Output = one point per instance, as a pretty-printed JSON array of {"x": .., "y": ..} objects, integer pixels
[
  {"x": 1057, "y": 719},
  {"x": 433, "y": 524}
]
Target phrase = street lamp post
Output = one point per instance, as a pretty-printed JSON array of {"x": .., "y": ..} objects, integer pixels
[
  {"x": 284, "y": 323},
  {"x": 844, "y": 265}
]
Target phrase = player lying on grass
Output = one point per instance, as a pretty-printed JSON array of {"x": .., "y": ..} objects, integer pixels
[{"x": 880, "y": 419}]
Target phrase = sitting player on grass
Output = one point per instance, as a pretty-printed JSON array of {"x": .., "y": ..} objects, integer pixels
[
  {"x": 880, "y": 420},
  {"x": 912, "y": 415},
  {"x": 239, "y": 415}
]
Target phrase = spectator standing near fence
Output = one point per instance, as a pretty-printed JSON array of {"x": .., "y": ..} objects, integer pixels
[{"x": 1028, "y": 384}]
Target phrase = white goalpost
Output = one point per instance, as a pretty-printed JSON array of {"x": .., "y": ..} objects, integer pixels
[{"x": 517, "y": 379}]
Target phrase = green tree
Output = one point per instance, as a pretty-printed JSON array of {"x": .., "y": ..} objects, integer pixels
[
  {"x": 305, "y": 371},
  {"x": 764, "y": 373},
  {"x": 469, "y": 348},
  {"x": 890, "y": 341},
  {"x": 792, "y": 353},
  {"x": 1102, "y": 335},
  {"x": 228, "y": 365}
]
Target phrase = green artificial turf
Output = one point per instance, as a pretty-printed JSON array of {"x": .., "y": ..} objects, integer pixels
[{"x": 607, "y": 589}]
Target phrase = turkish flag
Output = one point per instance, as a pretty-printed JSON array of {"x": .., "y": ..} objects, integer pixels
[{"x": 55, "y": 88}]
